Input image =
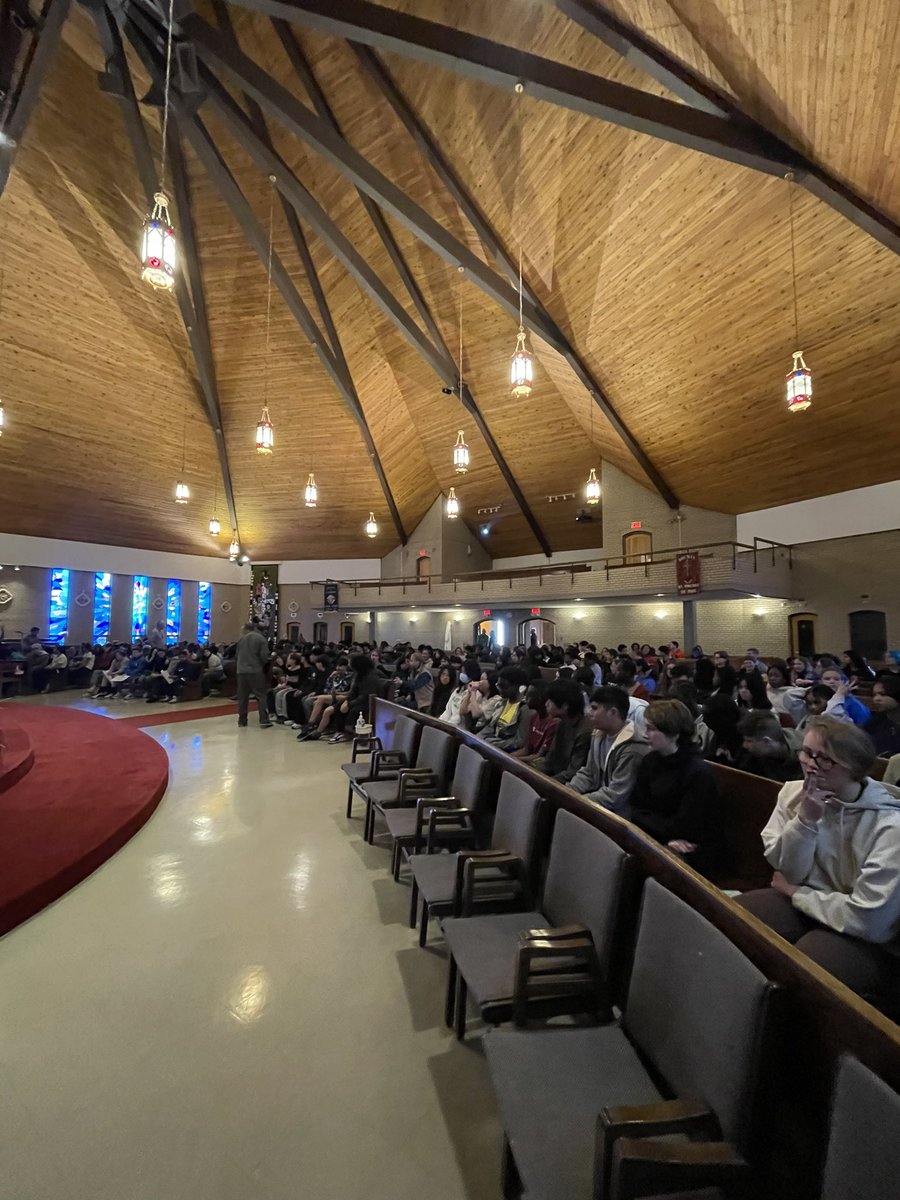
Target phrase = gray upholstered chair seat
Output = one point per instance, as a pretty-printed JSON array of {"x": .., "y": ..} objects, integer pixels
[
  {"x": 484, "y": 949},
  {"x": 551, "y": 1085},
  {"x": 359, "y": 772},
  {"x": 383, "y": 791}
]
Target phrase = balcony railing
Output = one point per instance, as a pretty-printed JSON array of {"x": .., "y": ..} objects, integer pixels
[{"x": 761, "y": 553}]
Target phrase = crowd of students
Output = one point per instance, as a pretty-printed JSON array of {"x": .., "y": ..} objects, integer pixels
[{"x": 635, "y": 729}]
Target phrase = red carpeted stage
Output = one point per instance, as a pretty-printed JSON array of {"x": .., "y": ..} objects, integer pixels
[{"x": 74, "y": 787}]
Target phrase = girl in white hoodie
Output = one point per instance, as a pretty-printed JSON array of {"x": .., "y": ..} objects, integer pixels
[{"x": 834, "y": 841}]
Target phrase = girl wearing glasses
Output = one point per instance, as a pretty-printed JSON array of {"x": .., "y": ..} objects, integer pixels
[{"x": 834, "y": 842}]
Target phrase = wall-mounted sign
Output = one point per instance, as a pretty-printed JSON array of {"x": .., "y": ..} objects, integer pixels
[
  {"x": 5, "y": 595},
  {"x": 635, "y": 524},
  {"x": 332, "y": 597},
  {"x": 687, "y": 572},
  {"x": 82, "y": 599}
]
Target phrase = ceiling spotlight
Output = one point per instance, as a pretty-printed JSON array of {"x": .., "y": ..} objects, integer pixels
[
  {"x": 245, "y": 558},
  {"x": 485, "y": 530}
]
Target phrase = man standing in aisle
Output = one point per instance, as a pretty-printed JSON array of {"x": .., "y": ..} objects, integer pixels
[{"x": 252, "y": 656}]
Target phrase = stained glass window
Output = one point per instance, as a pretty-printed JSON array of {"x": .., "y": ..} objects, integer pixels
[
  {"x": 139, "y": 607},
  {"x": 173, "y": 612},
  {"x": 58, "y": 626},
  {"x": 204, "y": 605},
  {"x": 102, "y": 600}
]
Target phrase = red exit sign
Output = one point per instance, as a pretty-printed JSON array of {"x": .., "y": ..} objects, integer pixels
[
  {"x": 635, "y": 524},
  {"x": 487, "y": 612},
  {"x": 535, "y": 612}
]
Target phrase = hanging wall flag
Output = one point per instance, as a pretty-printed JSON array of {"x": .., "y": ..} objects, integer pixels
[
  {"x": 687, "y": 572},
  {"x": 332, "y": 598}
]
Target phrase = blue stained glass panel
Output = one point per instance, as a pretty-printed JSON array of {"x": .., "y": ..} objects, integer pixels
[
  {"x": 58, "y": 626},
  {"x": 139, "y": 607},
  {"x": 173, "y": 611},
  {"x": 204, "y": 606},
  {"x": 102, "y": 604}
]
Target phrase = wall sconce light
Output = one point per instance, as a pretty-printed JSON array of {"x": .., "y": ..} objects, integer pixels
[{"x": 660, "y": 614}]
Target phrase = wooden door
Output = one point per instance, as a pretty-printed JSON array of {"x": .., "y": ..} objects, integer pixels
[
  {"x": 803, "y": 634},
  {"x": 868, "y": 633},
  {"x": 637, "y": 547}
]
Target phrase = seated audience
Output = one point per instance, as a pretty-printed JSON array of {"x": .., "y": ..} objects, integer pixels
[
  {"x": 323, "y": 708},
  {"x": 675, "y": 796},
  {"x": 508, "y": 729},
  {"x": 417, "y": 685},
  {"x": 542, "y": 730},
  {"x": 722, "y": 717},
  {"x": 615, "y": 753},
  {"x": 452, "y": 713},
  {"x": 751, "y": 690},
  {"x": 815, "y": 702},
  {"x": 568, "y": 752},
  {"x": 883, "y": 727},
  {"x": 834, "y": 842},
  {"x": 685, "y": 692},
  {"x": 213, "y": 672},
  {"x": 844, "y": 705},
  {"x": 781, "y": 695},
  {"x": 444, "y": 687},
  {"x": 366, "y": 684},
  {"x": 856, "y": 668},
  {"x": 766, "y": 748},
  {"x": 482, "y": 703}
]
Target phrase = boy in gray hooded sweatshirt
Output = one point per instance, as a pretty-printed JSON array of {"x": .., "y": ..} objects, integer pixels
[{"x": 834, "y": 841}]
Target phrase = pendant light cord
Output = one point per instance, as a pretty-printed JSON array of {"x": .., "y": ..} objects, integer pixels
[
  {"x": 521, "y": 325},
  {"x": 461, "y": 377},
  {"x": 165, "y": 127},
  {"x": 790, "y": 179},
  {"x": 269, "y": 294}
]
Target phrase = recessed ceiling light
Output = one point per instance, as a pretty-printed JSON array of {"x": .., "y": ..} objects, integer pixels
[{"x": 577, "y": 599}]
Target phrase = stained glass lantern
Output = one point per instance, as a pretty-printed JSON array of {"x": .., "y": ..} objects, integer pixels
[
  {"x": 592, "y": 488},
  {"x": 371, "y": 526},
  {"x": 311, "y": 492},
  {"x": 460, "y": 455},
  {"x": 799, "y": 384},
  {"x": 158, "y": 251},
  {"x": 452, "y": 505},
  {"x": 235, "y": 548},
  {"x": 215, "y": 526},
  {"x": 521, "y": 369},
  {"x": 182, "y": 492},
  {"x": 265, "y": 433}
]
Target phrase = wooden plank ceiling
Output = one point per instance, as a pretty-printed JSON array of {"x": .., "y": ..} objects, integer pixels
[{"x": 668, "y": 271}]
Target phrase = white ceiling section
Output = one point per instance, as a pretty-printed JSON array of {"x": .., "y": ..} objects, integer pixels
[{"x": 845, "y": 514}]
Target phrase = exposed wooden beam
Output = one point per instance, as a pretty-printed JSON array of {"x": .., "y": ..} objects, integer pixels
[
  {"x": 436, "y": 159},
  {"x": 315, "y": 132},
  {"x": 307, "y": 77},
  {"x": 646, "y": 55},
  {"x": 33, "y": 72},
  {"x": 434, "y": 155},
  {"x": 258, "y": 122},
  {"x": 435, "y": 355},
  {"x": 117, "y": 82},
  {"x": 503, "y": 66}
]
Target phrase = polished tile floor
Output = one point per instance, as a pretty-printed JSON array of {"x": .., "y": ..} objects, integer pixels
[{"x": 232, "y": 1007}]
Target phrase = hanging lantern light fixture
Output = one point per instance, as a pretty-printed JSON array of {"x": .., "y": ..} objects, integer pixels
[
  {"x": 799, "y": 378},
  {"x": 235, "y": 548},
  {"x": 158, "y": 247},
  {"x": 452, "y": 505},
  {"x": 215, "y": 526},
  {"x": 371, "y": 526},
  {"x": 592, "y": 488},
  {"x": 460, "y": 455},
  {"x": 265, "y": 433},
  {"x": 311, "y": 492},
  {"x": 182, "y": 492},
  {"x": 265, "y": 430},
  {"x": 159, "y": 255},
  {"x": 521, "y": 369}
]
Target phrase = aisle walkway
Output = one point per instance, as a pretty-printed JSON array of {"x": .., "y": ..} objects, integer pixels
[{"x": 232, "y": 1007}]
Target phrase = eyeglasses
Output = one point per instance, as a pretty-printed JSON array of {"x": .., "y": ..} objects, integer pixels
[{"x": 818, "y": 760}]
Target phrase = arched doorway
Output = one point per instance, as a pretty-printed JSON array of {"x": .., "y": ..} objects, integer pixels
[
  {"x": 637, "y": 547},
  {"x": 494, "y": 630},
  {"x": 544, "y": 631},
  {"x": 868, "y": 633},
  {"x": 803, "y": 634},
  {"x": 423, "y": 567}
]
